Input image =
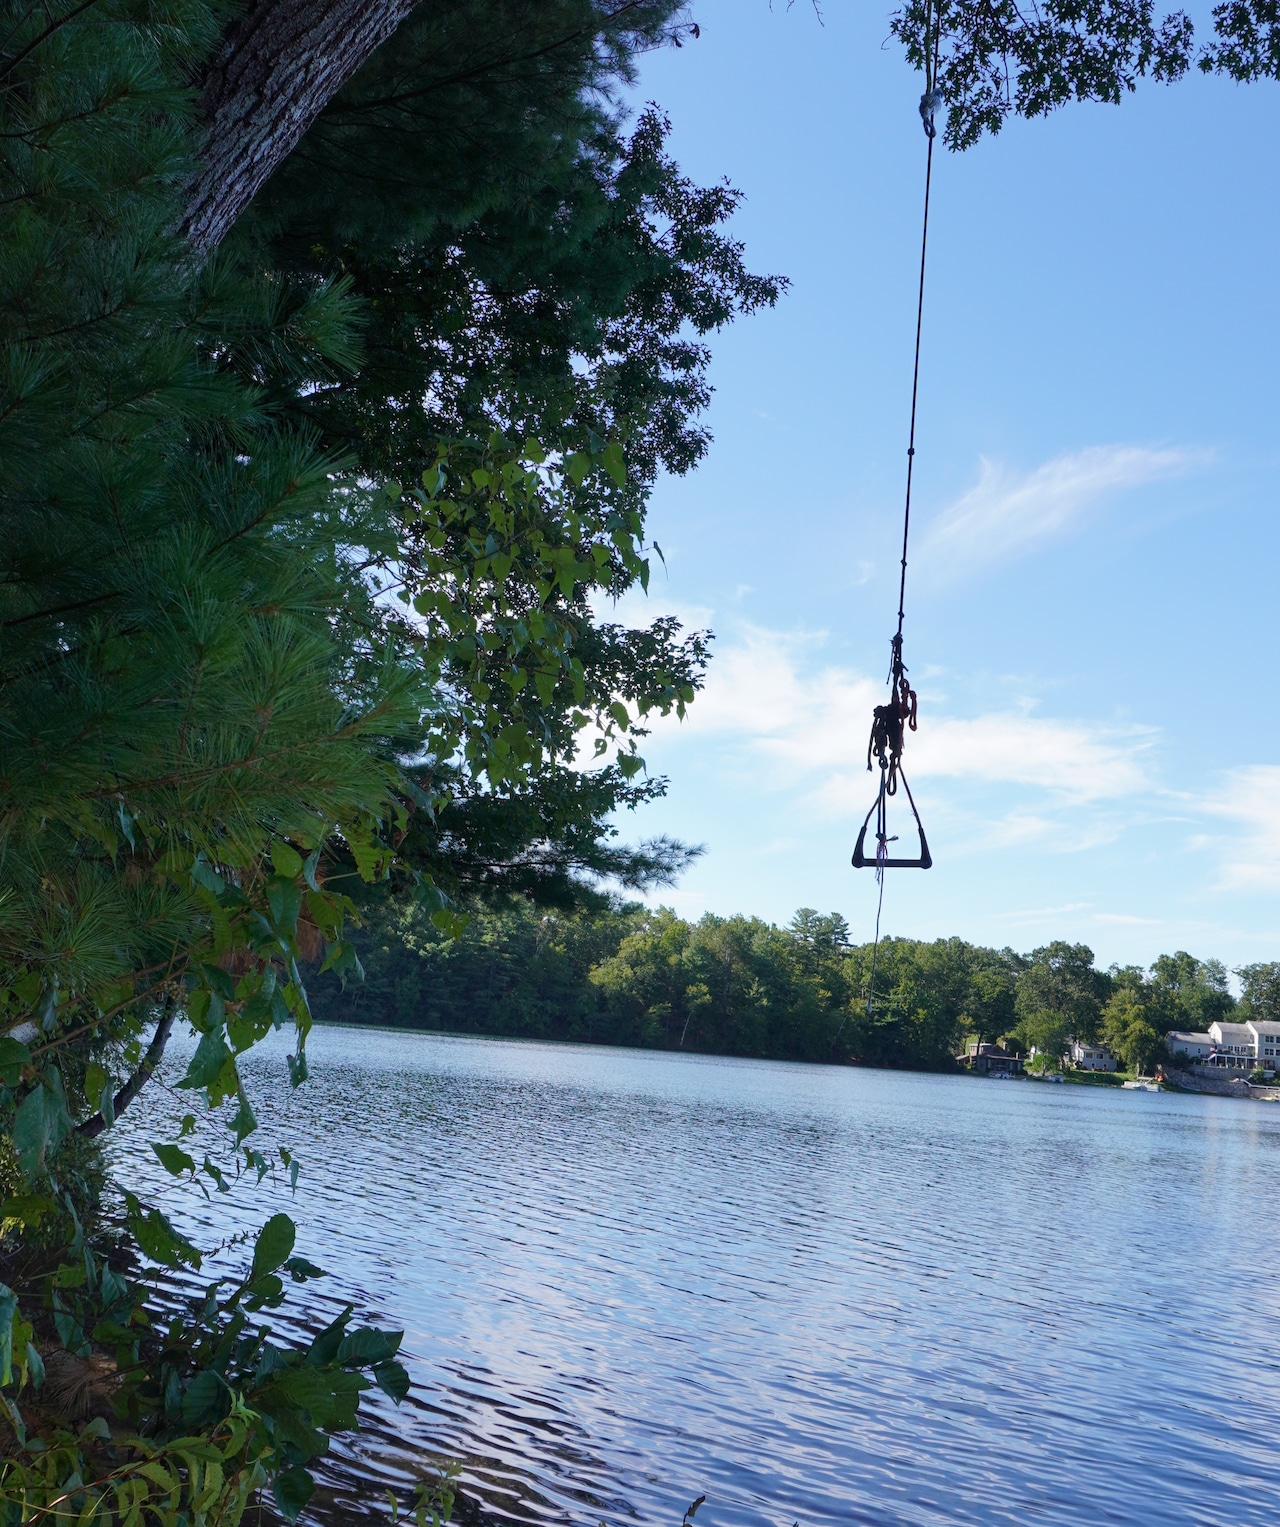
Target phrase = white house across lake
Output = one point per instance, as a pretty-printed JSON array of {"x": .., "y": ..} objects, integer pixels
[
  {"x": 1090, "y": 1057},
  {"x": 1250, "y": 1046}
]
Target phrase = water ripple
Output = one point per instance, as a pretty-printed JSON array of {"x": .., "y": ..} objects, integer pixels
[{"x": 816, "y": 1294}]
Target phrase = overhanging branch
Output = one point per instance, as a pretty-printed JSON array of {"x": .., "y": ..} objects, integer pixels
[{"x": 92, "y": 1128}]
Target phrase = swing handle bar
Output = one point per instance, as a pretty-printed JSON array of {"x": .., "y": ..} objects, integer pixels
[{"x": 924, "y": 862}]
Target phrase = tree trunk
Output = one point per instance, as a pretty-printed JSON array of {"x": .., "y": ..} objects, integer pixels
[{"x": 281, "y": 63}]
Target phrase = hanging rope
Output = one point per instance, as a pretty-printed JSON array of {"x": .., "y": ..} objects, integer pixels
[
  {"x": 887, "y": 724},
  {"x": 891, "y": 721}
]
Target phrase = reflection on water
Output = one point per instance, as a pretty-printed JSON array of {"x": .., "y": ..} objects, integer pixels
[{"x": 814, "y": 1293}]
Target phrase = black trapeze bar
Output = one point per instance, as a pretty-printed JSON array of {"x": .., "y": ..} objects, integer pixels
[{"x": 876, "y": 862}]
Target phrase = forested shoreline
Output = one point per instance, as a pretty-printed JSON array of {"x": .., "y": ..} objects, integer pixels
[{"x": 627, "y": 974}]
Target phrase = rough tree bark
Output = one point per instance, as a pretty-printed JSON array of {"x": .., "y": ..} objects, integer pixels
[{"x": 281, "y": 62}]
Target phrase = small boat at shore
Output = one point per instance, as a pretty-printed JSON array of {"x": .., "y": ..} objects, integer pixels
[{"x": 1142, "y": 1084}]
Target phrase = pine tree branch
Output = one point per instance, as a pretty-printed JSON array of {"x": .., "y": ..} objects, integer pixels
[
  {"x": 10, "y": 64},
  {"x": 59, "y": 609}
]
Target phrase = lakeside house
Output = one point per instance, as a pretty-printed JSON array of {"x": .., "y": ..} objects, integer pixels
[
  {"x": 1191, "y": 1046},
  {"x": 1253, "y": 1045},
  {"x": 991, "y": 1060},
  {"x": 1086, "y": 1057}
]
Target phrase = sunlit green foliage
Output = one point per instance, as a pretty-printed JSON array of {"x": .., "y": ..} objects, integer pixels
[
  {"x": 1060, "y": 997},
  {"x": 1261, "y": 995},
  {"x": 1127, "y": 1027}
]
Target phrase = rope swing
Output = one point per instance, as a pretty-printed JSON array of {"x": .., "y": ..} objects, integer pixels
[{"x": 891, "y": 721}]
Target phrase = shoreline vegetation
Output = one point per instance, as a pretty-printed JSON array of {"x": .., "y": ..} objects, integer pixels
[{"x": 637, "y": 977}]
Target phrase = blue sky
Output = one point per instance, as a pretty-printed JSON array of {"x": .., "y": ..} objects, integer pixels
[{"x": 1091, "y": 606}]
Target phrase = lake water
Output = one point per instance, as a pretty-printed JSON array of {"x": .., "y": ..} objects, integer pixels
[{"x": 813, "y": 1293}]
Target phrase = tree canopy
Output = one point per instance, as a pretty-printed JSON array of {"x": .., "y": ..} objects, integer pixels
[{"x": 997, "y": 59}]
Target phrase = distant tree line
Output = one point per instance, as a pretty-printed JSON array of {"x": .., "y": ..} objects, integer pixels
[{"x": 624, "y": 974}]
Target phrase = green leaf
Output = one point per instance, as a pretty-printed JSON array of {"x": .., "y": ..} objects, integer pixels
[
  {"x": 27, "y": 1209},
  {"x": 244, "y": 1123},
  {"x": 615, "y": 463},
  {"x": 266, "y": 1290},
  {"x": 300, "y": 1270},
  {"x": 325, "y": 1347},
  {"x": 368, "y": 856},
  {"x": 206, "y": 1064},
  {"x": 220, "y": 1181},
  {"x": 13, "y": 1057},
  {"x": 451, "y": 923},
  {"x": 205, "y": 876},
  {"x": 298, "y": 1072},
  {"x": 95, "y": 1079},
  {"x": 293, "y": 1489},
  {"x": 113, "y": 1286},
  {"x": 330, "y": 1396},
  {"x": 392, "y": 1379},
  {"x": 31, "y": 1130},
  {"x": 46, "y": 1009},
  {"x": 284, "y": 897},
  {"x": 287, "y": 860},
  {"x": 577, "y": 466},
  {"x": 8, "y": 1315},
  {"x": 173, "y": 1159},
  {"x": 274, "y": 1244},
  {"x": 156, "y": 1237},
  {"x": 220, "y": 981},
  {"x": 206, "y": 1401},
  {"x": 367, "y": 1344}
]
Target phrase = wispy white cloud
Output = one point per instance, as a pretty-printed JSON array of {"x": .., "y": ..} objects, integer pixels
[
  {"x": 799, "y": 724},
  {"x": 1075, "y": 761},
  {"x": 1009, "y": 513},
  {"x": 1249, "y": 796}
]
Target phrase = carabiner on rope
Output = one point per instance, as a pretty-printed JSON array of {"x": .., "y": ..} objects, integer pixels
[{"x": 889, "y": 725}]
